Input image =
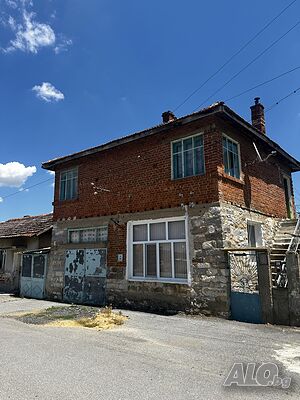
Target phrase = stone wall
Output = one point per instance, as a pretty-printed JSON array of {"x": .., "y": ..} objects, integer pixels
[
  {"x": 234, "y": 225},
  {"x": 212, "y": 227}
]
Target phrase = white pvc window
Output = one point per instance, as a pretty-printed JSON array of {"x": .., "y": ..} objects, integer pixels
[
  {"x": 231, "y": 157},
  {"x": 68, "y": 184},
  {"x": 89, "y": 235},
  {"x": 188, "y": 157},
  {"x": 157, "y": 250}
]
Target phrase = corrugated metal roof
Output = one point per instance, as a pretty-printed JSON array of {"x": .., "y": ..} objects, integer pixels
[{"x": 26, "y": 227}]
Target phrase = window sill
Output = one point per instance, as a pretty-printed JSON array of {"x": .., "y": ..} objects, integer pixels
[
  {"x": 153, "y": 280},
  {"x": 59, "y": 202},
  {"x": 187, "y": 177},
  {"x": 227, "y": 177}
]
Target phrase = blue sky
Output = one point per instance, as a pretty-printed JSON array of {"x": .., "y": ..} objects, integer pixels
[{"x": 77, "y": 73}]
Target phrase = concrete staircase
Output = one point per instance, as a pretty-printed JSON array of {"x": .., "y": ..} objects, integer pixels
[{"x": 280, "y": 246}]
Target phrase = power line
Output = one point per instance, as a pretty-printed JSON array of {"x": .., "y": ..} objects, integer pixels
[
  {"x": 26, "y": 188},
  {"x": 248, "y": 65},
  {"x": 235, "y": 55},
  {"x": 263, "y": 83},
  {"x": 282, "y": 99}
]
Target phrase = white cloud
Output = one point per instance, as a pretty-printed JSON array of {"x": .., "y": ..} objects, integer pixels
[
  {"x": 1, "y": 200},
  {"x": 47, "y": 92},
  {"x": 11, "y": 3},
  {"x": 15, "y": 174},
  {"x": 63, "y": 45},
  {"x": 30, "y": 35},
  {"x": 51, "y": 173}
]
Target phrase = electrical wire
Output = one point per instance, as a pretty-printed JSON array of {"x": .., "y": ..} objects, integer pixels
[
  {"x": 262, "y": 84},
  {"x": 26, "y": 188},
  {"x": 282, "y": 99},
  {"x": 235, "y": 55},
  {"x": 248, "y": 65}
]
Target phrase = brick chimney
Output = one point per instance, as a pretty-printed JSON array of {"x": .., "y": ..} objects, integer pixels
[
  {"x": 168, "y": 116},
  {"x": 258, "y": 116}
]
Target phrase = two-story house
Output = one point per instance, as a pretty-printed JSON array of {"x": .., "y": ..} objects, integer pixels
[{"x": 143, "y": 221}]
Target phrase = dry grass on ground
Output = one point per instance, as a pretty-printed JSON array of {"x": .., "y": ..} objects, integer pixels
[{"x": 74, "y": 317}]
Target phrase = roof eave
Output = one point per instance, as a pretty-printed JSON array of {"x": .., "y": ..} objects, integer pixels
[
  {"x": 295, "y": 164},
  {"x": 50, "y": 165}
]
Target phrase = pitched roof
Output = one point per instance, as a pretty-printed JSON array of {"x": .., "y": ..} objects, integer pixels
[
  {"x": 26, "y": 227},
  {"x": 216, "y": 108}
]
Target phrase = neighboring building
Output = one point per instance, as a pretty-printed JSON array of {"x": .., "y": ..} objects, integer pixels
[
  {"x": 24, "y": 246},
  {"x": 143, "y": 221}
]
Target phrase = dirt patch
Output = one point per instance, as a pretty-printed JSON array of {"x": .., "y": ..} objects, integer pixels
[{"x": 73, "y": 317}]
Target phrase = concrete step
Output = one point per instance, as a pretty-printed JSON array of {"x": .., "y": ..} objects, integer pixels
[{"x": 278, "y": 245}]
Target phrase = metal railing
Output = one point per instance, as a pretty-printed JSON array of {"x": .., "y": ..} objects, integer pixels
[
  {"x": 282, "y": 279},
  {"x": 295, "y": 241}
]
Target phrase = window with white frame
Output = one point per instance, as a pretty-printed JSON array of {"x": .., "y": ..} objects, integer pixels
[
  {"x": 157, "y": 250},
  {"x": 2, "y": 259},
  {"x": 254, "y": 234},
  {"x": 88, "y": 235},
  {"x": 231, "y": 156},
  {"x": 188, "y": 157},
  {"x": 68, "y": 184}
]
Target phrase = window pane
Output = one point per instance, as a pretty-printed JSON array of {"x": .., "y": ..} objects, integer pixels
[
  {"x": 63, "y": 190},
  {"x": 158, "y": 231},
  {"x": 180, "y": 261},
  {"x": 151, "y": 260},
  {"x": 74, "y": 236},
  {"x": 26, "y": 268},
  {"x": 236, "y": 166},
  {"x": 198, "y": 141},
  {"x": 199, "y": 160},
  {"x": 102, "y": 233},
  {"x": 188, "y": 144},
  {"x": 177, "y": 166},
  {"x": 68, "y": 190},
  {"x": 138, "y": 269},
  {"x": 165, "y": 260},
  {"x": 140, "y": 233},
  {"x": 89, "y": 236},
  {"x": 73, "y": 188},
  {"x": 177, "y": 147},
  {"x": 38, "y": 266},
  {"x": 176, "y": 230},
  {"x": 251, "y": 235},
  {"x": 188, "y": 163},
  {"x": 231, "y": 158}
]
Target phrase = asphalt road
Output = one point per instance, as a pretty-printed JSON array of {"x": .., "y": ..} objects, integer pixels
[{"x": 151, "y": 357}]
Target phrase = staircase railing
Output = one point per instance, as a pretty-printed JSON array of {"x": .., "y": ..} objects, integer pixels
[
  {"x": 295, "y": 241},
  {"x": 282, "y": 279}
]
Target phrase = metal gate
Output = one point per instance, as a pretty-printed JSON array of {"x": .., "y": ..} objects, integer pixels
[
  {"x": 245, "y": 299},
  {"x": 32, "y": 282},
  {"x": 85, "y": 276}
]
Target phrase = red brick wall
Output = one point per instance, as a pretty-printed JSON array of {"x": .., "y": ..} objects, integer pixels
[
  {"x": 138, "y": 177},
  {"x": 262, "y": 185}
]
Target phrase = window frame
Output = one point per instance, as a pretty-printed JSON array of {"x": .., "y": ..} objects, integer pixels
[
  {"x": 60, "y": 182},
  {"x": 70, "y": 230},
  {"x": 256, "y": 225},
  {"x": 182, "y": 161},
  {"x": 130, "y": 243},
  {"x": 4, "y": 255},
  {"x": 239, "y": 156}
]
